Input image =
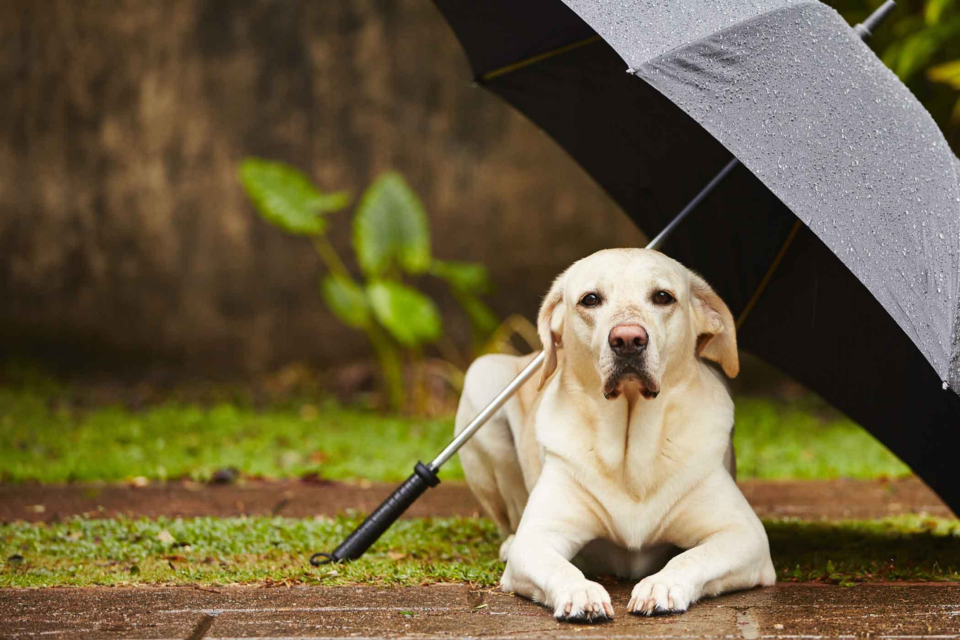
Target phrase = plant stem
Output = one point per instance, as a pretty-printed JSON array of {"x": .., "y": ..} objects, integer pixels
[
  {"x": 330, "y": 256},
  {"x": 390, "y": 366},
  {"x": 419, "y": 389}
]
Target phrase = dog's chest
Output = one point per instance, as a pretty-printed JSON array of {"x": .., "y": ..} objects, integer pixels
[
  {"x": 634, "y": 503},
  {"x": 635, "y": 475}
]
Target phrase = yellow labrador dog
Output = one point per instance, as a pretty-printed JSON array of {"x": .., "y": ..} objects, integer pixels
[{"x": 621, "y": 460}]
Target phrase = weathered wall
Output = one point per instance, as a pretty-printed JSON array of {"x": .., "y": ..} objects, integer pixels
[{"x": 124, "y": 235}]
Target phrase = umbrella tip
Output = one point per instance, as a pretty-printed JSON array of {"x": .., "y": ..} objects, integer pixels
[{"x": 866, "y": 28}]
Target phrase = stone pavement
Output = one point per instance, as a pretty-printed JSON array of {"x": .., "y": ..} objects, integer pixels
[{"x": 455, "y": 611}]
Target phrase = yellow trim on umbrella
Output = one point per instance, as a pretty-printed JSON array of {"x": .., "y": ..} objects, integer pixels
[
  {"x": 769, "y": 274},
  {"x": 504, "y": 70}
]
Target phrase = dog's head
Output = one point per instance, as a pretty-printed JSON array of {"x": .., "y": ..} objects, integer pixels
[{"x": 632, "y": 316}]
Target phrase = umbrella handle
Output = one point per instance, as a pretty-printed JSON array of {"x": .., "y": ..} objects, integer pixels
[{"x": 422, "y": 478}]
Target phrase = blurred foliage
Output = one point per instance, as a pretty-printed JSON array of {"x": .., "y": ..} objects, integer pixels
[
  {"x": 47, "y": 438},
  {"x": 48, "y": 435},
  {"x": 779, "y": 440},
  {"x": 391, "y": 239},
  {"x": 920, "y": 42}
]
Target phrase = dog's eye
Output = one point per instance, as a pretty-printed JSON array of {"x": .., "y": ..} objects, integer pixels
[
  {"x": 590, "y": 300},
  {"x": 662, "y": 298}
]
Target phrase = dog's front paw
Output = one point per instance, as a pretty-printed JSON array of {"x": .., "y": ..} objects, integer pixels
[
  {"x": 660, "y": 593},
  {"x": 585, "y": 601}
]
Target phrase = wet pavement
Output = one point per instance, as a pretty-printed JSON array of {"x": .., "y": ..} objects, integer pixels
[
  {"x": 456, "y": 611},
  {"x": 807, "y": 500}
]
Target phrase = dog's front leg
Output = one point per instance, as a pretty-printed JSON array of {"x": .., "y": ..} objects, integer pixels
[
  {"x": 730, "y": 551},
  {"x": 538, "y": 564}
]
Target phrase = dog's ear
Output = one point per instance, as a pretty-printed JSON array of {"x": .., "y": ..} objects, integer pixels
[
  {"x": 716, "y": 330},
  {"x": 550, "y": 328}
]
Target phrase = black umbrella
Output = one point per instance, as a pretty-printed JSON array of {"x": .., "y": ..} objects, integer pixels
[{"x": 835, "y": 246}]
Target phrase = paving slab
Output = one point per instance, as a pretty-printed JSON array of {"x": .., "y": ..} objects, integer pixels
[
  {"x": 808, "y": 500},
  {"x": 457, "y": 611}
]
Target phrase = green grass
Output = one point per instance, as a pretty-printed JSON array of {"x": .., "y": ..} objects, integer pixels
[
  {"x": 45, "y": 437},
  {"x": 211, "y": 551},
  {"x": 207, "y": 551}
]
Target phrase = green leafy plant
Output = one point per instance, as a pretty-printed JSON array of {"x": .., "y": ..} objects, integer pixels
[{"x": 391, "y": 240}]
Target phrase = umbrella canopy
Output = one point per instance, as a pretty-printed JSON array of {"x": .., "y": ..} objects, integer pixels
[{"x": 837, "y": 247}]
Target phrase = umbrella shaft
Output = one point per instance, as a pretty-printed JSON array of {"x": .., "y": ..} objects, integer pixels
[
  {"x": 488, "y": 412},
  {"x": 717, "y": 179}
]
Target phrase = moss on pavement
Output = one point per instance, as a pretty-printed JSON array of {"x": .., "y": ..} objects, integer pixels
[{"x": 211, "y": 551}]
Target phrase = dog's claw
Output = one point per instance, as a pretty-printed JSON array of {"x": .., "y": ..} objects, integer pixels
[
  {"x": 587, "y": 602},
  {"x": 655, "y": 595}
]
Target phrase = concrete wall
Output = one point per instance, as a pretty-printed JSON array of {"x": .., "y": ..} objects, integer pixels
[{"x": 124, "y": 235}]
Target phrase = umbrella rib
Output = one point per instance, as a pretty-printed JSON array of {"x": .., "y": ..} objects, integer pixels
[
  {"x": 526, "y": 62},
  {"x": 769, "y": 274}
]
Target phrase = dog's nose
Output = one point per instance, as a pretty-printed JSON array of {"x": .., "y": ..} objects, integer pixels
[{"x": 626, "y": 339}]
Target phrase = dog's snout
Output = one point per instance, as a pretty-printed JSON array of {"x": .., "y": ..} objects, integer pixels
[{"x": 626, "y": 339}]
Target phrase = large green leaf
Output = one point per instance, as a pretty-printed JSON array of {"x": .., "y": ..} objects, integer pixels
[
  {"x": 391, "y": 226},
  {"x": 347, "y": 301},
  {"x": 286, "y": 198},
  {"x": 410, "y": 317},
  {"x": 468, "y": 277}
]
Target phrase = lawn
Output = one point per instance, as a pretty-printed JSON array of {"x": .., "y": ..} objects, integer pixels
[
  {"x": 212, "y": 551},
  {"x": 46, "y": 435},
  {"x": 50, "y": 433}
]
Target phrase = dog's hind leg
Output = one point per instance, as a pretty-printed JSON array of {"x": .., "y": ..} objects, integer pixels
[{"x": 490, "y": 461}]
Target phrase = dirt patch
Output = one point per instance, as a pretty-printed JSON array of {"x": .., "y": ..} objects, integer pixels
[
  {"x": 295, "y": 499},
  {"x": 808, "y": 500}
]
